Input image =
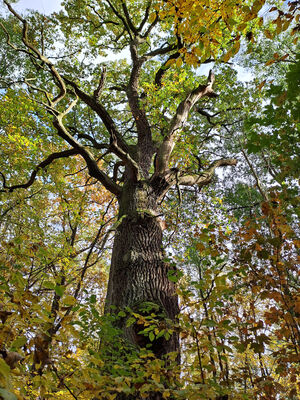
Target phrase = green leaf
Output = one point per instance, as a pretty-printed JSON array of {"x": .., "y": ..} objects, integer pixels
[
  {"x": 48, "y": 285},
  {"x": 130, "y": 321},
  {"x": 69, "y": 300},
  {"x": 210, "y": 323},
  {"x": 59, "y": 290},
  {"x": 19, "y": 342},
  {"x": 6, "y": 395},
  {"x": 4, "y": 369},
  {"x": 122, "y": 314}
]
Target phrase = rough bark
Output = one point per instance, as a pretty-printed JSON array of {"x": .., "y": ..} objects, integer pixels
[{"x": 139, "y": 272}]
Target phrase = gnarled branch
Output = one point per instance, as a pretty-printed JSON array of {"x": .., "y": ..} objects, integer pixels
[
  {"x": 118, "y": 145},
  {"x": 33, "y": 51},
  {"x": 120, "y": 17},
  {"x": 205, "y": 177},
  {"x": 178, "y": 121},
  {"x": 100, "y": 86},
  {"x": 41, "y": 165},
  {"x": 162, "y": 183},
  {"x": 91, "y": 163}
]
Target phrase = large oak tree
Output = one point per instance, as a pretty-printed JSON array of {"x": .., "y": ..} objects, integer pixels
[{"x": 127, "y": 122}]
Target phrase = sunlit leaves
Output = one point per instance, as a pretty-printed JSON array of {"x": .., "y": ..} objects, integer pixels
[
  {"x": 237, "y": 254},
  {"x": 207, "y": 28}
]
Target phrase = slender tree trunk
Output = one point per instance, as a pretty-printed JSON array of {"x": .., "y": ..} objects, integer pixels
[{"x": 139, "y": 273}]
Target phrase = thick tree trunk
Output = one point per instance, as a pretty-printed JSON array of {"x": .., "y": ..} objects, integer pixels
[{"x": 139, "y": 273}]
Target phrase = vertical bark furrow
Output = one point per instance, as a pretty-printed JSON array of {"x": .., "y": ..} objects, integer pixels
[{"x": 139, "y": 273}]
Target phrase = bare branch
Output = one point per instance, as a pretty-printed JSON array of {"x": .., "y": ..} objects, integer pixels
[
  {"x": 117, "y": 14},
  {"x": 206, "y": 114},
  {"x": 91, "y": 101},
  {"x": 205, "y": 177},
  {"x": 18, "y": 202},
  {"x": 118, "y": 145},
  {"x": 258, "y": 182},
  {"x": 33, "y": 51},
  {"x": 103, "y": 21},
  {"x": 209, "y": 116},
  {"x": 92, "y": 165},
  {"x": 163, "y": 50},
  {"x": 162, "y": 183},
  {"x": 95, "y": 144},
  {"x": 99, "y": 89},
  {"x": 128, "y": 19},
  {"x": 10, "y": 44},
  {"x": 116, "y": 170},
  {"x": 163, "y": 69},
  {"x": 151, "y": 26},
  {"x": 146, "y": 16},
  {"x": 101, "y": 112},
  {"x": 38, "y": 89},
  {"x": 42, "y": 165}
]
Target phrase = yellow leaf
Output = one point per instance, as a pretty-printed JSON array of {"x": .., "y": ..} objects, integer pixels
[
  {"x": 261, "y": 85},
  {"x": 257, "y": 6},
  {"x": 284, "y": 57},
  {"x": 286, "y": 25},
  {"x": 268, "y": 34},
  {"x": 278, "y": 29},
  {"x": 191, "y": 59},
  {"x": 249, "y": 16},
  {"x": 179, "y": 62},
  {"x": 270, "y": 62},
  {"x": 242, "y": 27},
  {"x": 69, "y": 300},
  {"x": 265, "y": 207},
  {"x": 236, "y": 47},
  {"x": 156, "y": 378},
  {"x": 227, "y": 56},
  {"x": 4, "y": 369},
  {"x": 297, "y": 244},
  {"x": 198, "y": 51},
  {"x": 170, "y": 62},
  {"x": 200, "y": 246},
  {"x": 152, "y": 17}
]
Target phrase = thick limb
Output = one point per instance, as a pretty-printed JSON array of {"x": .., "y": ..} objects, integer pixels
[
  {"x": 205, "y": 177},
  {"x": 179, "y": 120}
]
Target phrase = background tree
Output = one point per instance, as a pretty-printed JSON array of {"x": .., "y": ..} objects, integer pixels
[{"x": 144, "y": 131}]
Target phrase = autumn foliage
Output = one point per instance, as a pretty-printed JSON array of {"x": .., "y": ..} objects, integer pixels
[{"x": 231, "y": 239}]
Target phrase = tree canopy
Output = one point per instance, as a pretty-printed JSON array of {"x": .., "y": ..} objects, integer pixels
[{"x": 149, "y": 201}]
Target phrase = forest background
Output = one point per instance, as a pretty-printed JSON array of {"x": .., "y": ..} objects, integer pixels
[{"x": 229, "y": 215}]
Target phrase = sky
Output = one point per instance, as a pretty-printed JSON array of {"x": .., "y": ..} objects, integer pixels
[
  {"x": 49, "y": 6},
  {"x": 44, "y": 6}
]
